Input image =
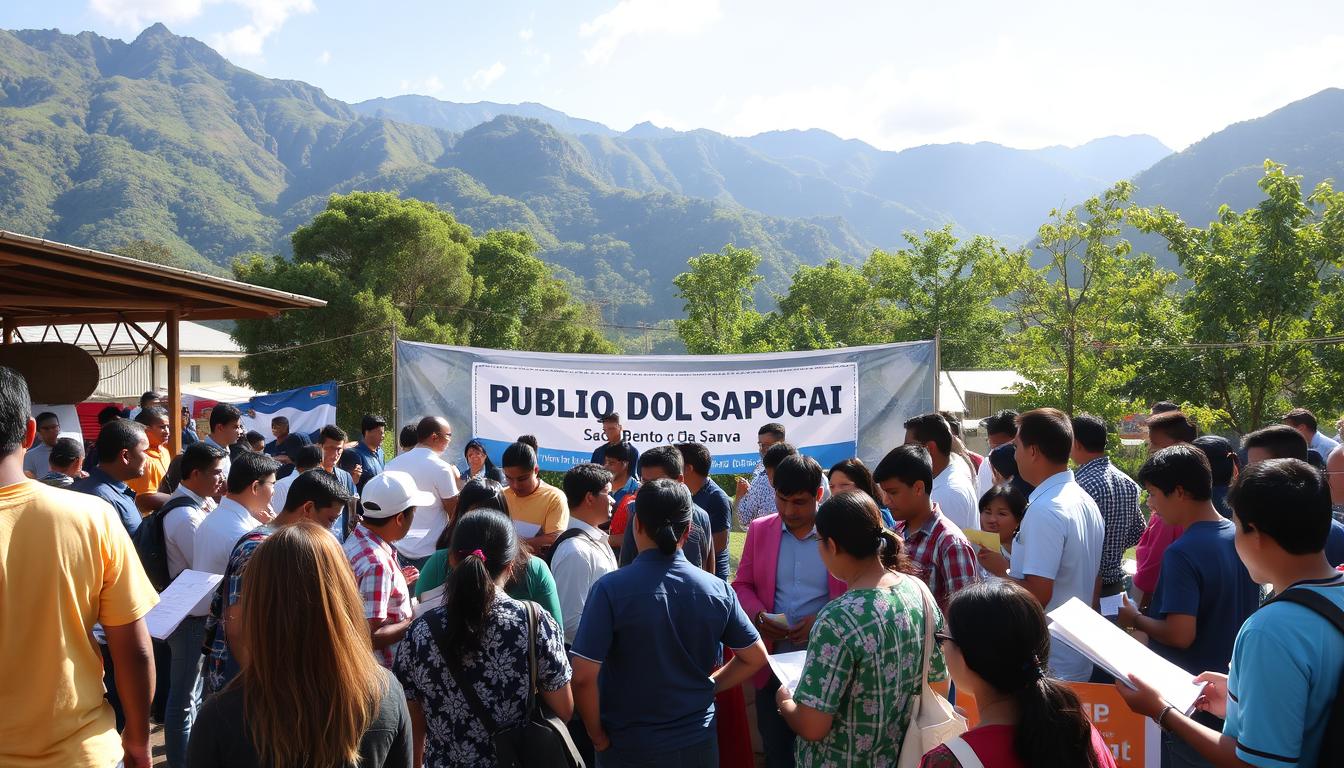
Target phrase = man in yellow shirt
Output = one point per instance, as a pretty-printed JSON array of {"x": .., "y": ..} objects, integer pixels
[
  {"x": 157, "y": 458},
  {"x": 67, "y": 564},
  {"x": 539, "y": 510}
]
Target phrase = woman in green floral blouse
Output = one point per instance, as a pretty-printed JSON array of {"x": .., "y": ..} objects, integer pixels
[{"x": 861, "y": 677}]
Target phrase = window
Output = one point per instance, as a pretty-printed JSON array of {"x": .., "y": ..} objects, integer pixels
[{"x": 195, "y": 374}]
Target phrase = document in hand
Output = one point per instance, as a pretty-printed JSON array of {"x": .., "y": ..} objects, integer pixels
[
  {"x": 1110, "y": 648},
  {"x": 788, "y": 667},
  {"x": 429, "y": 601},
  {"x": 177, "y": 600},
  {"x": 987, "y": 539}
]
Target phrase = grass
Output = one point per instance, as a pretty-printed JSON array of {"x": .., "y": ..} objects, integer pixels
[{"x": 736, "y": 540}]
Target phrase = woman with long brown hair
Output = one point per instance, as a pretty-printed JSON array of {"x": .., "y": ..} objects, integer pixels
[{"x": 310, "y": 694}]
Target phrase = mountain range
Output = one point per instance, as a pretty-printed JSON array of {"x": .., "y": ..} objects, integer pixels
[{"x": 103, "y": 142}]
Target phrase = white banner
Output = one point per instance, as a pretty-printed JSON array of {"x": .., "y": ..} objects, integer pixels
[{"x": 722, "y": 408}]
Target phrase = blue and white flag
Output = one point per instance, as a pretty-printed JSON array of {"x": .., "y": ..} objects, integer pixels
[{"x": 308, "y": 409}]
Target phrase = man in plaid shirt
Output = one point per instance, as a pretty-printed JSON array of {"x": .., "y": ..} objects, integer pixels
[
  {"x": 1117, "y": 498},
  {"x": 946, "y": 558},
  {"x": 389, "y": 501}
]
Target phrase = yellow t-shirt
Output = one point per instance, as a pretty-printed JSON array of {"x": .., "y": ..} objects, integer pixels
[
  {"x": 156, "y": 466},
  {"x": 544, "y": 508},
  {"x": 66, "y": 563}
]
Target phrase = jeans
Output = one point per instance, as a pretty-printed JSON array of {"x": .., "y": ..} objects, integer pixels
[
  {"x": 703, "y": 755},
  {"x": 184, "y": 688},
  {"x": 1178, "y": 754},
  {"x": 776, "y": 736}
]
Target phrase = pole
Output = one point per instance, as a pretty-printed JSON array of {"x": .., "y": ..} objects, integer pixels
[
  {"x": 396, "y": 425},
  {"x": 937, "y": 366},
  {"x": 174, "y": 385}
]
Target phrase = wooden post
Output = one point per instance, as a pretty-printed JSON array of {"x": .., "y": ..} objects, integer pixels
[
  {"x": 393, "y": 423},
  {"x": 10, "y": 325},
  {"x": 937, "y": 367},
  {"x": 174, "y": 385}
]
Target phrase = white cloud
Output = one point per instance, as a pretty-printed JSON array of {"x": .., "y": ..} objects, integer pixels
[
  {"x": 265, "y": 17},
  {"x": 428, "y": 87},
  {"x": 484, "y": 77},
  {"x": 640, "y": 18},
  {"x": 324, "y": 58},
  {"x": 525, "y": 35}
]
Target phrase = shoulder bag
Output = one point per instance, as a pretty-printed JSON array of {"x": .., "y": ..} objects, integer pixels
[{"x": 933, "y": 721}]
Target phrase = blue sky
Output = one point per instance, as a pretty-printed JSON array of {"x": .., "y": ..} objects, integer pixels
[{"x": 895, "y": 74}]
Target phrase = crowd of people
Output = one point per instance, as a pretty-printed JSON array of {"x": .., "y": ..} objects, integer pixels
[{"x": 413, "y": 610}]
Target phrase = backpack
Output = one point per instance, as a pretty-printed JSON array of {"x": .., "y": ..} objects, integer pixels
[
  {"x": 550, "y": 551},
  {"x": 1332, "y": 745},
  {"x": 150, "y": 544}
]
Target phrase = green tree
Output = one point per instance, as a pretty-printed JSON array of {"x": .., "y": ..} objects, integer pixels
[
  {"x": 720, "y": 304},
  {"x": 1262, "y": 281},
  {"x": 939, "y": 285},
  {"x": 830, "y": 305},
  {"x": 1091, "y": 296}
]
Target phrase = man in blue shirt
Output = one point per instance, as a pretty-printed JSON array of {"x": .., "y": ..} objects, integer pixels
[
  {"x": 1204, "y": 593},
  {"x": 615, "y": 434},
  {"x": 619, "y": 460},
  {"x": 368, "y": 452},
  {"x": 664, "y": 462},
  {"x": 121, "y": 447},
  {"x": 331, "y": 439},
  {"x": 707, "y": 495},
  {"x": 1288, "y": 660},
  {"x": 656, "y": 627}
]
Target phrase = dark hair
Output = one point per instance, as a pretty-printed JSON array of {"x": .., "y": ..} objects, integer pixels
[
  {"x": 622, "y": 451},
  {"x": 530, "y": 440},
  {"x": 199, "y": 457},
  {"x": 478, "y": 445},
  {"x": 1181, "y": 465},
  {"x": 1090, "y": 432},
  {"x": 953, "y": 423},
  {"x": 249, "y": 468},
  {"x": 519, "y": 456},
  {"x": 1003, "y": 460},
  {"x": 147, "y": 397},
  {"x": 1281, "y": 440},
  {"x": 480, "y": 493},
  {"x": 663, "y": 508},
  {"x": 109, "y": 413},
  {"x": 427, "y": 428},
  {"x": 774, "y": 429},
  {"x": 1174, "y": 424},
  {"x": 610, "y": 416},
  {"x": 15, "y": 410},
  {"x": 470, "y": 589},
  {"x": 777, "y": 453},
  {"x": 223, "y": 413},
  {"x": 1050, "y": 430},
  {"x": 1002, "y": 423},
  {"x": 931, "y": 428},
  {"x": 116, "y": 436},
  {"x": 858, "y": 474},
  {"x": 65, "y": 452},
  {"x": 1285, "y": 499},
  {"x": 371, "y": 421},
  {"x": 318, "y": 486},
  {"x": 332, "y": 432},
  {"x": 407, "y": 438},
  {"x": 852, "y": 521},
  {"x": 1163, "y": 406},
  {"x": 663, "y": 457},
  {"x": 44, "y": 417},
  {"x": 908, "y": 463},
  {"x": 306, "y": 457},
  {"x": 1221, "y": 455},
  {"x": 253, "y": 436},
  {"x": 583, "y": 479},
  {"x": 798, "y": 474},
  {"x": 152, "y": 415},
  {"x": 697, "y": 457},
  {"x": 1017, "y": 502},
  {"x": 279, "y": 421},
  {"x": 1052, "y": 728},
  {"x": 1300, "y": 417}
]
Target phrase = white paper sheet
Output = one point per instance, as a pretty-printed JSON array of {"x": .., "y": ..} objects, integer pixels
[
  {"x": 178, "y": 600},
  {"x": 430, "y": 600},
  {"x": 1082, "y": 628},
  {"x": 526, "y": 530},
  {"x": 413, "y": 535},
  {"x": 788, "y": 667},
  {"x": 1110, "y": 604}
]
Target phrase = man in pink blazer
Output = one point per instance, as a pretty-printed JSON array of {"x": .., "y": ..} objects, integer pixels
[{"x": 782, "y": 584}]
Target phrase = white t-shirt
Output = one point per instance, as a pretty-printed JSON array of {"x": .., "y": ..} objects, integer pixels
[
  {"x": 179, "y": 539},
  {"x": 984, "y": 479},
  {"x": 217, "y": 534},
  {"x": 1060, "y": 539},
  {"x": 431, "y": 473},
  {"x": 577, "y": 564},
  {"x": 954, "y": 493},
  {"x": 281, "y": 491}
]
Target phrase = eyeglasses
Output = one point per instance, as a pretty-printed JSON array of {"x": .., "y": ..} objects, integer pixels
[{"x": 941, "y": 637}]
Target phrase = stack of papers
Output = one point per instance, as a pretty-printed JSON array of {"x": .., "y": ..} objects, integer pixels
[
  {"x": 430, "y": 600},
  {"x": 1076, "y": 624},
  {"x": 178, "y": 600}
]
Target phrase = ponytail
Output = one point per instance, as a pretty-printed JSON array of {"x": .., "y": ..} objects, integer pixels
[
  {"x": 1052, "y": 728},
  {"x": 663, "y": 508},
  {"x": 891, "y": 551},
  {"x": 666, "y": 538},
  {"x": 484, "y": 547},
  {"x": 852, "y": 522}
]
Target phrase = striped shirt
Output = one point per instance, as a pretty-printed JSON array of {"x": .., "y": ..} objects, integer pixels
[{"x": 1117, "y": 499}]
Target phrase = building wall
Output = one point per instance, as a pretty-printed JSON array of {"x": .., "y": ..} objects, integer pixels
[{"x": 127, "y": 376}]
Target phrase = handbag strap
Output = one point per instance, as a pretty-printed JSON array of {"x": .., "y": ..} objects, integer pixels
[
  {"x": 961, "y": 749},
  {"x": 927, "y": 598},
  {"x": 469, "y": 693},
  {"x": 531, "y": 657}
]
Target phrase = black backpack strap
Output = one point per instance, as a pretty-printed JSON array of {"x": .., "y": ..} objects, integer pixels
[
  {"x": 1315, "y": 602},
  {"x": 450, "y": 661},
  {"x": 177, "y": 502},
  {"x": 564, "y": 536},
  {"x": 531, "y": 657}
]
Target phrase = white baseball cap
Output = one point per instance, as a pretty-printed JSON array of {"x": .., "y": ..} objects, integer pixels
[{"x": 391, "y": 493}]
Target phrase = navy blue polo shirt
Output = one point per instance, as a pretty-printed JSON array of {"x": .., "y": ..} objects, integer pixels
[
  {"x": 114, "y": 492},
  {"x": 719, "y": 507},
  {"x": 371, "y": 461},
  {"x": 657, "y": 625}
]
